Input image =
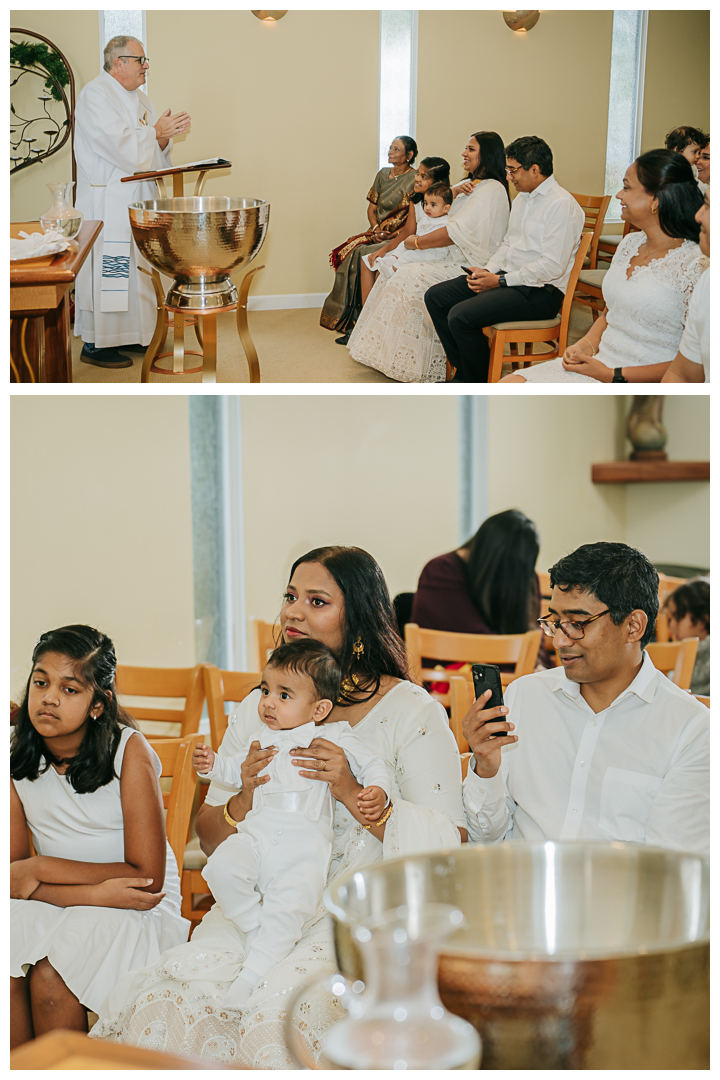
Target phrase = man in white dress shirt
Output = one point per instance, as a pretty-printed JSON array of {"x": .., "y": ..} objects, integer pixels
[
  {"x": 527, "y": 276},
  {"x": 605, "y": 747},
  {"x": 692, "y": 363},
  {"x": 117, "y": 133}
]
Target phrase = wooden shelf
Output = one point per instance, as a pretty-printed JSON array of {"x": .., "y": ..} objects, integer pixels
[{"x": 648, "y": 472}]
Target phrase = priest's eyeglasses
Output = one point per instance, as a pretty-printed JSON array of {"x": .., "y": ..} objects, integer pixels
[
  {"x": 573, "y": 630},
  {"x": 140, "y": 59}
]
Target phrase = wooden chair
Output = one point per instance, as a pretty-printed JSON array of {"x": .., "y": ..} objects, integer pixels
[
  {"x": 666, "y": 586},
  {"x": 220, "y": 686},
  {"x": 702, "y": 699},
  {"x": 461, "y": 698},
  {"x": 677, "y": 657},
  {"x": 595, "y": 207},
  {"x": 267, "y": 638},
  {"x": 607, "y": 245},
  {"x": 545, "y": 586},
  {"x": 588, "y": 290},
  {"x": 548, "y": 331},
  {"x": 146, "y": 682},
  {"x": 518, "y": 649},
  {"x": 176, "y": 760}
]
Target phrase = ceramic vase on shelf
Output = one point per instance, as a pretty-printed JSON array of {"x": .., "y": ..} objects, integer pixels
[
  {"x": 62, "y": 215},
  {"x": 645, "y": 428}
]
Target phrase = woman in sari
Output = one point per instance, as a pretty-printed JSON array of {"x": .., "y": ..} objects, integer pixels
[
  {"x": 337, "y": 596},
  {"x": 394, "y": 333},
  {"x": 388, "y": 205}
]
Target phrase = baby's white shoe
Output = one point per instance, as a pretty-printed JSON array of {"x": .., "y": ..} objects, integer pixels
[{"x": 239, "y": 993}]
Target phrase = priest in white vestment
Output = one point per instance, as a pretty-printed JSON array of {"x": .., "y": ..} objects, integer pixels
[{"x": 117, "y": 133}]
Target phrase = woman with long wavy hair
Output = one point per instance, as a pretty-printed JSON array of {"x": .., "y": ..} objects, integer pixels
[
  {"x": 338, "y": 596},
  {"x": 394, "y": 333}
]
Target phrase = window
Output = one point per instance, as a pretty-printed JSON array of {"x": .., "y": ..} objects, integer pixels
[
  {"x": 398, "y": 78},
  {"x": 627, "y": 79},
  {"x": 472, "y": 465},
  {"x": 114, "y": 23}
]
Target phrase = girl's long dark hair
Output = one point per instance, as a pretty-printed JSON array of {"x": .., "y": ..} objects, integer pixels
[
  {"x": 93, "y": 656},
  {"x": 492, "y": 159},
  {"x": 439, "y": 170},
  {"x": 501, "y": 572},
  {"x": 369, "y": 616},
  {"x": 669, "y": 177}
]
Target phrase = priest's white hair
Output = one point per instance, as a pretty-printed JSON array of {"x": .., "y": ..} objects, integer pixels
[{"x": 115, "y": 48}]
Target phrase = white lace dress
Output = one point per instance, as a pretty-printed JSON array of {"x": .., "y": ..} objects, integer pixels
[
  {"x": 173, "y": 1005},
  {"x": 645, "y": 314},
  {"x": 394, "y": 333}
]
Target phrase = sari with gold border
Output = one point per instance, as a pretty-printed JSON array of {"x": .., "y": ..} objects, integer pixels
[{"x": 391, "y": 196}]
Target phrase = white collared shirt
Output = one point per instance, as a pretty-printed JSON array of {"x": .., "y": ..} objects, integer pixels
[
  {"x": 695, "y": 342},
  {"x": 542, "y": 238},
  {"x": 638, "y": 771}
]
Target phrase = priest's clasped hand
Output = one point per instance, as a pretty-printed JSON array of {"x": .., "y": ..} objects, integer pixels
[{"x": 169, "y": 126}]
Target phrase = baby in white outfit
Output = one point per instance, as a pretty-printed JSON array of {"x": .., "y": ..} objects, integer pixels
[
  {"x": 269, "y": 877},
  {"x": 436, "y": 205}
]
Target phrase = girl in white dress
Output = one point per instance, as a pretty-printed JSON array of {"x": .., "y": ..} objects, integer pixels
[
  {"x": 428, "y": 216},
  {"x": 337, "y": 596},
  {"x": 394, "y": 333},
  {"x": 102, "y": 895},
  {"x": 648, "y": 287}
]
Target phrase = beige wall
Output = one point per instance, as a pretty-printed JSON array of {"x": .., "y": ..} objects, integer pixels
[
  {"x": 677, "y": 74},
  {"x": 476, "y": 74},
  {"x": 101, "y": 525},
  {"x": 294, "y": 105},
  {"x": 375, "y": 472}
]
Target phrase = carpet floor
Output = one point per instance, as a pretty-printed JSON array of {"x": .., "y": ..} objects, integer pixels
[{"x": 292, "y": 347}]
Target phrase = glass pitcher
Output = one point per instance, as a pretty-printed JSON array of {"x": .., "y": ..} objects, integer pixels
[{"x": 62, "y": 215}]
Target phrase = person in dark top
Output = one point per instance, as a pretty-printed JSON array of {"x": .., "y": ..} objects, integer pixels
[{"x": 487, "y": 586}]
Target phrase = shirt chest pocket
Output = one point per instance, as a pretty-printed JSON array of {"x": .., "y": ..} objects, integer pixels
[
  {"x": 534, "y": 234},
  {"x": 626, "y": 799}
]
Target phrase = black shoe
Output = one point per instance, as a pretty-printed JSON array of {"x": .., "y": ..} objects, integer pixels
[
  {"x": 342, "y": 340},
  {"x": 104, "y": 358},
  {"x": 132, "y": 348}
]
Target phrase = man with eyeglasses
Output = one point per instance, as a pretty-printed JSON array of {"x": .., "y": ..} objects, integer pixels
[
  {"x": 526, "y": 278},
  {"x": 117, "y": 133},
  {"x": 604, "y": 747}
]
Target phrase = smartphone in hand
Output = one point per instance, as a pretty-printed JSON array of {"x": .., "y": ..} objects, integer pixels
[{"x": 487, "y": 677}]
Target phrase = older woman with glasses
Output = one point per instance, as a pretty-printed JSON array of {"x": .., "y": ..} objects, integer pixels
[{"x": 117, "y": 133}]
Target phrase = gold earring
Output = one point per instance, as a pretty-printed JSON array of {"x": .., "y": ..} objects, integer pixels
[
  {"x": 654, "y": 211},
  {"x": 358, "y": 648}
]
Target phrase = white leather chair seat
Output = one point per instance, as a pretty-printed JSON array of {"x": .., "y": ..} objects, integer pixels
[
  {"x": 592, "y": 277},
  {"x": 538, "y": 324},
  {"x": 194, "y": 857}
]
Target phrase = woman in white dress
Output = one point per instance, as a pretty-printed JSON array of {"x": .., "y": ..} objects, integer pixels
[
  {"x": 102, "y": 894},
  {"x": 648, "y": 286},
  {"x": 337, "y": 596},
  {"x": 394, "y": 333}
]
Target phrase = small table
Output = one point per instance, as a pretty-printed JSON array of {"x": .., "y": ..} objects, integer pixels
[
  {"x": 40, "y": 343},
  {"x": 73, "y": 1050}
]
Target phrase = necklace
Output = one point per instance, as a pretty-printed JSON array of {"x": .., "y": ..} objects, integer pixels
[{"x": 402, "y": 172}]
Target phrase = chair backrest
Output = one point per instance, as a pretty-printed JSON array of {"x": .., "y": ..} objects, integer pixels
[
  {"x": 461, "y": 698},
  {"x": 176, "y": 761},
  {"x": 222, "y": 686},
  {"x": 677, "y": 657},
  {"x": 585, "y": 241},
  {"x": 147, "y": 682},
  {"x": 545, "y": 586},
  {"x": 595, "y": 207},
  {"x": 443, "y": 646},
  {"x": 666, "y": 585},
  {"x": 702, "y": 699},
  {"x": 266, "y": 637}
]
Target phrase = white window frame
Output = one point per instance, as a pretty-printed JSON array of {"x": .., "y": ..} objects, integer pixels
[
  {"x": 613, "y": 214},
  {"x": 105, "y": 37},
  {"x": 473, "y": 471},
  {"x": 411, "y": 90}
]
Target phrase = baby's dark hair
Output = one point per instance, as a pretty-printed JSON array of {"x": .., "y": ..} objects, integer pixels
[
  {"x": 442, "y": 191},
  {"x": 680, "y": 137},
  {"x": 692, "y": 598},
  {"x": 93, "y": 656},
  {"x": 313, "y": 660}
]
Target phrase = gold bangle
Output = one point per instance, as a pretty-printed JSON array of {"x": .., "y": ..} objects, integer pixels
[
  {"x": 382, "y": 820},
  {"x": 417, "y": 242},
  {"x": 226, "y": 813}
]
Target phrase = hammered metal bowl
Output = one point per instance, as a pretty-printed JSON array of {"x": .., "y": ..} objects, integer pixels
[
  {"x": 573, "y": 956},
  {"x": 199, "y": 242}
]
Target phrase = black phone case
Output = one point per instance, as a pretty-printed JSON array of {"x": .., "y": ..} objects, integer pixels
[{"x": 487, "y": 677}]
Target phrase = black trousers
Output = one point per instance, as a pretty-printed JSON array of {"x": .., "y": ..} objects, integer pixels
[{"x": 459, "y": 316}]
